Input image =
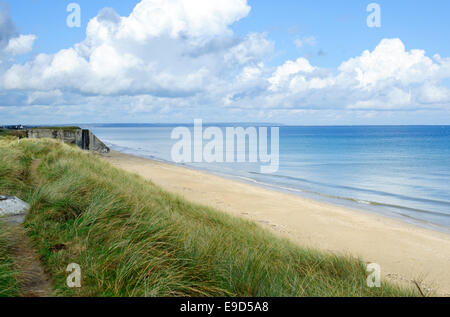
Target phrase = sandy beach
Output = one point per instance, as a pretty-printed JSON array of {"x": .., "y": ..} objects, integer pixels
[{"x": 405, "y": 252}]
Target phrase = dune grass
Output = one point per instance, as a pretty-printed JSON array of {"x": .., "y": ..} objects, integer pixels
[
  {"x": 15, "y": 133},
  {"x": 9, "y": 286},
  {"x": 12, "y": 180},
  {"x": 131, "y": 238}
]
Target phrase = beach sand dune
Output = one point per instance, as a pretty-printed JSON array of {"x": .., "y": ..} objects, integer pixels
[{"x": 405, "y": 252}]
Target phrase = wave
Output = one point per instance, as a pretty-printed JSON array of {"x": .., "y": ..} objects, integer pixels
[
  {"x": 363, "y": 190},
  {"x": 365, "y": 202}
]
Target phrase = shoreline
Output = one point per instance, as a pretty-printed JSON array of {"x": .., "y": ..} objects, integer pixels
[
  {"x": 345, "y": 202},
  {"x": 380, "y": 207},
  {"x": 405, "y": 252}
]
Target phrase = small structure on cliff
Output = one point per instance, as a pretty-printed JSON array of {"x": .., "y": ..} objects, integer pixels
[{"x": 83, "y": 138}]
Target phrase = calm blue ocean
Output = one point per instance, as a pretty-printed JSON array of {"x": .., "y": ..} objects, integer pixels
[{"x": 399, "y": 171}]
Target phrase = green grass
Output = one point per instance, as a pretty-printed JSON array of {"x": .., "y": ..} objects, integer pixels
[
  {"x": 12, "y": 179},
  {"x": 15, "y": 133},
  {"x": 4, "y": 132},
  {"x": 133, "y": 239},
  {"x": 9, "y": 287}
]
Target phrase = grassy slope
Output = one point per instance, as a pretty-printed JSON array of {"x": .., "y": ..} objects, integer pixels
[
  {"x": 9, "y": 287},
  {"x": 12, "y": 180},
  {"x": 133, "y": 239}
]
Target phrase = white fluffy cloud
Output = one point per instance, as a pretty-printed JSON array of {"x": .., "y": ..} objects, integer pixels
[
  {"x": 11, "y": 43},
  {"x": 165, "y": 50},
  {"x": 175, "y": 18},
  {"x": 290, "y": 73},
  {"x": 20, "y": 45},
  {"x": 389, "y": 77},
  {"x": 390, "y": 63}
]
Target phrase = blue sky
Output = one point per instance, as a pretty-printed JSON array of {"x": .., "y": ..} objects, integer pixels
[
  {"x": 339, "y": 26},
  {"x": 251, "y": 69}
]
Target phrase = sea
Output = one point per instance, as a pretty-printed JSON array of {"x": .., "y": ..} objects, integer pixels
[{"x": 401, "y": 172}]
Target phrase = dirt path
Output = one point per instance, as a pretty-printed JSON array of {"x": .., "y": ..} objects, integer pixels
[
  {"x": 33, "y": 171},
  {"x": 33, "y": 280}
]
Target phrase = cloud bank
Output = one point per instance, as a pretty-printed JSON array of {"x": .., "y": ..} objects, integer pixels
[{"x": 181, "y": 56}]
